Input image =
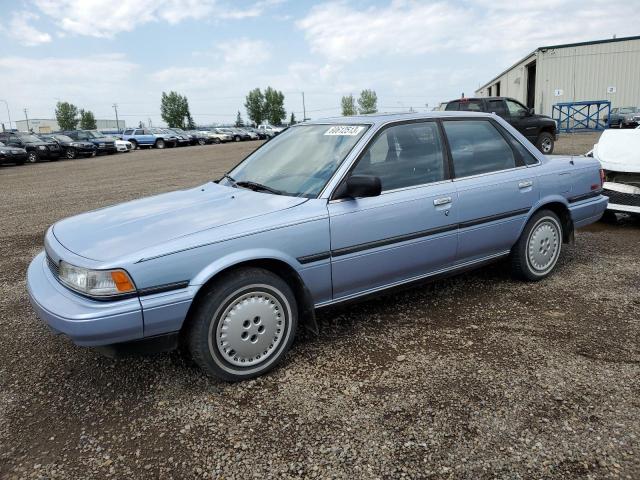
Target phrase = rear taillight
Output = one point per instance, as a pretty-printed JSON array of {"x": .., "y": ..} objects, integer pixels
[{"x": 601, "y": 177}]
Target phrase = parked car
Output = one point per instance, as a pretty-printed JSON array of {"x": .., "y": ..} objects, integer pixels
[
  {"x": 252, "y": 135},
  {"x": 270, "y": 129},
  {"x": 123, "y": 145},
  {"x": 198, "y": 138},
  {"x": 619, "y": 154},
  {"x": 149, "y": 137},
  {"x": 624, "y": 117},
  {"x": 103, "y": 143},
  {"x": 37, "y": 149},
  {"x": 539, "y": 129},
  {"x": 262, "y": 135},
  {"x": 71, "y": 148},
  {"x": 184, "y": 139},
  {"x": 327, "y": 212},
  {"x": 235, "y": 134},
  {"x": 217, "y": 136},
  {"x": 15, "y": 155}
]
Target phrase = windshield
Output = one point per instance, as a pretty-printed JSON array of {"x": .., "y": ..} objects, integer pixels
[
  {"x": 95, "y": 134},
  {"x": 30, "y": 138},
  {"x": 63, "y": 138},
  {"x": 628, "y": 110},
  {"x": 299, "y": 161}
]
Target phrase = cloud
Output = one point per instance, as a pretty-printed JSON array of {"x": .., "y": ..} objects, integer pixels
[
  {"x": 21, "y": 31},
  {"x": 237, "y": 12},
  {"x": 342, "y": 32},
  {"x": 245, "y": 51},
  {"x": 36, "y": 83}
]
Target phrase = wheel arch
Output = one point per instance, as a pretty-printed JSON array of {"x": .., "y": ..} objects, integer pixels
[
  {"x": 560, "y": 207},
  {"x": 271, "y": 263}
]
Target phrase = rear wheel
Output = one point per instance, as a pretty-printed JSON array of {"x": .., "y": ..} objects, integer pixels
[
  {"x": 236, "y": 138},
  {"x": 201, "y": 141},
  {"x": 217, "y": 141},
  {"x": 243, "y": 325},
  {"x": 536, "y": 253},
  {"x": 134, "y": 144},
  {"x": 70, "y": 153},
  {"x": 32, "y": 157},
  {"x": 545, "y": 143},
  {"x": 159, "y": 143}
]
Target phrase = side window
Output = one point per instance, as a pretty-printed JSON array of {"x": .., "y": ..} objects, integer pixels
[
  {"x": 497, "y": 107},
  {"x": 526, "y": 155},
  {"x": 453, "y": 106},
  {"x": 404, "y": 156},
  {"x": 127, "y": 132},
  {"x": 471, "y": 106},
  {"x": 516, "y": 109},
  {"x": 477, "y": 147},
  {"x": 139, "y": 132}
]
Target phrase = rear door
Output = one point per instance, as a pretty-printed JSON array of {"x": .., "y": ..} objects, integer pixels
[
  {"x": 495, "y": 189},
  {"x": 407, "y": 231}
]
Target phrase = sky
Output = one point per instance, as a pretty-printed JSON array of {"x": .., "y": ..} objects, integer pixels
[{"x": 414, "y": 54}]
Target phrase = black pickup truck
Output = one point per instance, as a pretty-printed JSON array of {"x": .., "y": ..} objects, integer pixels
[{"x": 539, "y": 129}]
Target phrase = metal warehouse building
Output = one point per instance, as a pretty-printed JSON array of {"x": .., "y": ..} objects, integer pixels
[
  {"x": 48, "y": 125},
  {"x": 587, "y": 71}
]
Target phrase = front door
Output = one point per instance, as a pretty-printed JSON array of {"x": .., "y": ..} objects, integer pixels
[
  {"x": 522, "y": 120},
  {"x": 407, "y": 231},
  {"x": 495, "y": 189}
]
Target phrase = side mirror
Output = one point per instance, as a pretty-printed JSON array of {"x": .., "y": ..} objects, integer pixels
[{"x": 360, "y": 186}]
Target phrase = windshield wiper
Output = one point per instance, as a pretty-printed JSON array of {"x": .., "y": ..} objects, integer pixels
[
  {"x": 258, "y": 187},
  {"x": 230, "y": 178}
]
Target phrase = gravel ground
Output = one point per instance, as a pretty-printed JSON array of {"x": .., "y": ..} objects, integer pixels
[{"x": 477, "y": 376}]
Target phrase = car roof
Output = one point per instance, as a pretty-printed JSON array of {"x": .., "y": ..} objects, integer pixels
[{"x": 382, "y": 118}]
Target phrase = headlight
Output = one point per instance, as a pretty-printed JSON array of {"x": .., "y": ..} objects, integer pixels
[
  {"x": 41, "y": 147},
  {"x": 96, "y": 283},
  {"x": 101, "y": 145}
]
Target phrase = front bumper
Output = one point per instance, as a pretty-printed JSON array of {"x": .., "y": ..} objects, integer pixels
[
  {"x": 14, "y": 158},
  {"x": 86, "y": 322},
  {"x": 622, "y": 197}
]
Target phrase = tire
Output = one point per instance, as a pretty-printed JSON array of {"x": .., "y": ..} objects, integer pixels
[
  {"x": 159, "y": 143},
  {"x": 70, "y": 153},
  {"x": 202, "y": 141},
  {"x": 545, "y": 143},
  {"x": 134, "y": 144},
  {"x": 536, "y": 253},
  {"x": 269, "y": 320},
  {"x": 236, "y": 138},
  {"x": 217, "y": 141},
  {"x": 32, "y": 157}
]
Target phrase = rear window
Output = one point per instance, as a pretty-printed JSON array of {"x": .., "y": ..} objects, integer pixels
[{"x": 465, "y": 106}]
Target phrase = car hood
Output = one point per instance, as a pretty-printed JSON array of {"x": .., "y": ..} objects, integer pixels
[
  {"x": 113, "y": 232},
  {"x": 619, "y": 150}
]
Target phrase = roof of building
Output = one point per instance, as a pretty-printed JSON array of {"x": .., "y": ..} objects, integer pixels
[{"x": 554, "y": 47}]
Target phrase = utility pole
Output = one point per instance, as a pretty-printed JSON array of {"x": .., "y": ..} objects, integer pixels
[
  {"x": 25, "y": 116},
  {"x": 115, "y": 107},
  {"x": 8, "y": 113},
  {"x": 304, "y": 110},
  {"x": 150, "y": 124}
]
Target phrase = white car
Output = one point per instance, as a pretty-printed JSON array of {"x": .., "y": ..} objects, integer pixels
[
  {"x": 270, "y": 130},
  {"x": 216, "y": 137},
  {"x": 123, "y": 146},
  {"x": 619, "y": 154}
]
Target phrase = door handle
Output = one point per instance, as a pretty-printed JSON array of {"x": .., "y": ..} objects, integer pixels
[
  {"x": 525, "y": 184},
  {"x": 442, "y": 201}
]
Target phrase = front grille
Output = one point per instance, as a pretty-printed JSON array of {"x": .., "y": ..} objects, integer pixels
[
  {"x": 53, "y": 266},
  {"x": 619, "y": 198}
]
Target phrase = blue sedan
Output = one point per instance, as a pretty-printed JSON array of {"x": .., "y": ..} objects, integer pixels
[{"x": 326, "y": 212}]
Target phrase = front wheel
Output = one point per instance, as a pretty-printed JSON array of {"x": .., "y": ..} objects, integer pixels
[
  {"x": 536, "y": 253},
  {"x": 545, "y": 143},
  {"x": 202, "y": 141},
  {"x": 70, "y": 153},
  {"x": 217, "y": 141},
  {"x": 32, "y": 157},
  {"x": 159, "y": 143},
  {"x": 134, "y": 144},
  {"x": 243, "y": 325},
  {"x": 236, "y": 138}
]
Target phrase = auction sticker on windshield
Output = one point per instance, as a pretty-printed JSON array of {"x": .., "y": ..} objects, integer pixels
[{"x": 349, "y": 130}]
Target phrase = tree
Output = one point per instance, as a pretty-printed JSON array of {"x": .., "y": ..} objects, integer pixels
[
  {"x": 274, "y": 106},
  {"x": 239, "y": 121},
  {"x": 254, "y": 104},
  {"x": 368, "y": 102},
  {"x": 292, "y": 120},
  {"x": 67, "y": 115},
  {"x": 348, "y": 106},
  {"x": 87, "y": 120},
  {"x": 174, "y": 109}
]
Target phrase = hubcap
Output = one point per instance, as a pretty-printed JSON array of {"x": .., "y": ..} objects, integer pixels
[
  {"x": 32, "y": 157},
  {"x": 251, "y": 328},
  {"x": 543, "y": 245},
  {"x": 546, "y": 145}
]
